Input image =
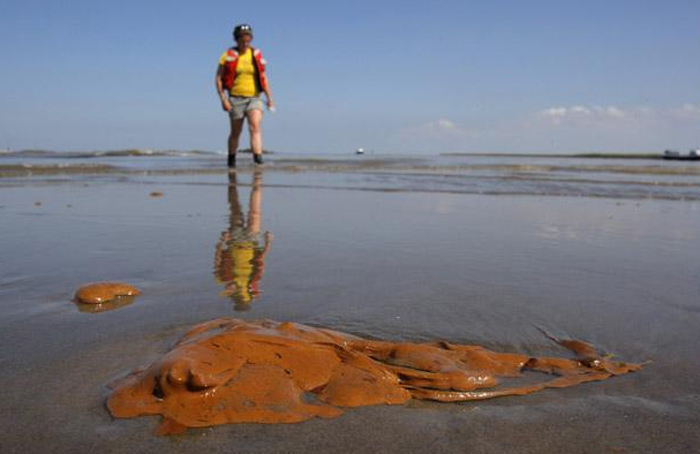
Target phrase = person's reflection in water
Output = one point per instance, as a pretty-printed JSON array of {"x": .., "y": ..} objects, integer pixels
[{"x": 240, "y": 258}]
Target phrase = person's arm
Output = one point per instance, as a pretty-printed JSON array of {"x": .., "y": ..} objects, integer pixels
[
  {"x": 268, "y": 242},
  {"x": 259, "y": 261},
  {"x": 219, "y": 81},
  {"x": 266, "y": 84},
  {"x": 268, "y": 93},
  {"x": 218, "y": 255}
]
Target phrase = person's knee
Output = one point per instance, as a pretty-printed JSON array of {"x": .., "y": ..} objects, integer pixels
[
  {"x": 254, "y": 127},
  {"x": 236, "y": 131}
]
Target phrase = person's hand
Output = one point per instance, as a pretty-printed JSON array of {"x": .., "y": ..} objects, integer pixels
[
  {"x": 270, "y": 105},
  {"x": 268, "y": 236},
  {"x": 226, "y": 104}
]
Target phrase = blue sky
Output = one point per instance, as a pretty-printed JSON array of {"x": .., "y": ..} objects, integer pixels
[{"x": 400, "y": 77}]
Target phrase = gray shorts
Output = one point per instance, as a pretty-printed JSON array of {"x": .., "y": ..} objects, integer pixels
[{"x": 242, "y": 104}]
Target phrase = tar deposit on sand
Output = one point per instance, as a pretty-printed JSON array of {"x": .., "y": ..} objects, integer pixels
[
  {"x": 102, "y": 292},
  {"x": 230, "y": 371}
]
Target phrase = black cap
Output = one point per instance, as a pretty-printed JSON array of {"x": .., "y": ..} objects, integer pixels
[{"x": 242, "y": 29}]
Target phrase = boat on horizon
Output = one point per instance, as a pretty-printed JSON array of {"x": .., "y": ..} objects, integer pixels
[{"x": 692, "y": 155}]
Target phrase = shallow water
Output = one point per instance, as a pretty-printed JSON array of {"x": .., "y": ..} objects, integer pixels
[
  {"x": 464, "y": 174},
  {"x": 411, "y": 264}
]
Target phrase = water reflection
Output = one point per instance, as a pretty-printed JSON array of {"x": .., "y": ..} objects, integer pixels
[
  {"x": 239, "y": 261},
  {"x": 117, "y": 303}
]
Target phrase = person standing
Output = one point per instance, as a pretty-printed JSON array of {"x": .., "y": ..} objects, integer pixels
[{"x": 240, "y": 79}]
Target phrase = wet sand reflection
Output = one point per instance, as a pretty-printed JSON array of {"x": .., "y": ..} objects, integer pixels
[{"x": 239, "y": 261}]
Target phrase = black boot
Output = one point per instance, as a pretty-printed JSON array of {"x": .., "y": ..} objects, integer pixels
[
  {"x": 258, "y": 158},
  {"x": 232, "y": 161}
]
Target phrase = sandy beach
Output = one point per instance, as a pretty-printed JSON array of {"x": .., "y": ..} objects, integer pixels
[{"x": 478, "y": 250}]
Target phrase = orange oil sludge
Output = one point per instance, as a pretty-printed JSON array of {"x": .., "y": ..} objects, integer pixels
[
  {"x": 102, "y": 292},
  {"x": 229, "y": 370}
]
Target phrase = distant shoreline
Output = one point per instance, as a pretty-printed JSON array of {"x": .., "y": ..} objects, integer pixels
[
  {"x": 565, "y": 155},
  {"x": 147, "y": 152},
  {"x": 128, "y": 152}
]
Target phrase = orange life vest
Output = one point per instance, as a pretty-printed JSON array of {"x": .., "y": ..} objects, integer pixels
[{"x": 230, "y": 68}]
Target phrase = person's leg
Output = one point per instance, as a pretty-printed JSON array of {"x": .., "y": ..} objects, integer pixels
[
  {"x": 236, "y": 128},
  {"x": 236, "y": 215},
  {"x": 254, "y": 127},
  {"x": 254, "y": 207}
]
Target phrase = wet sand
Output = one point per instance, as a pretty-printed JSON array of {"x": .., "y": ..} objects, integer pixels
[{"x": 410, "y": 266}]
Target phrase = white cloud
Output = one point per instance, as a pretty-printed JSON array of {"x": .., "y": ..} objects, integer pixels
[
  {"x": 614, "y": 112},
  {"x": 434, "y": 135},
  {"x": 561, "y": 115},
  {"x": 595, "y": 127},
  {"x": 555, "y": 112},
  {"x": 579, "y": 114},
  {"x": 445, "y": 126},
  {"x": 441, "y": 124},
  {"x": 578, "y": 109},
  {"x": 687, "y": 110},
  {"x": 577, "y": 127}
]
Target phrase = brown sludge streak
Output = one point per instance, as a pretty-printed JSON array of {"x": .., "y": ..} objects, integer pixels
[
  {"x": 101, "y": 292},
  {"x": 229, "y": 370},
  {"x": 156, "y": 194}
]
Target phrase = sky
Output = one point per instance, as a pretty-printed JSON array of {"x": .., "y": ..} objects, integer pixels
[{"x": 389, "y": 76}]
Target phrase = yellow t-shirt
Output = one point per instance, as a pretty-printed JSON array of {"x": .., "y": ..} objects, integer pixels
[{"x": 244, "y": 84}]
